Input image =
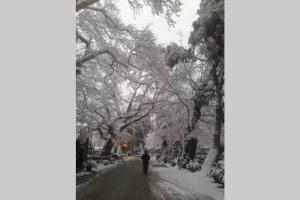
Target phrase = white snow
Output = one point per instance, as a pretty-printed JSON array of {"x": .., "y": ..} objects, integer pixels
[
  {"x": 82, "y": 173},
  {"x": 100, "y": 169},
  {"x": 187, "y": 184},
  {"x": 152, "y": 157},
  {"x": 130, "y": 158}
]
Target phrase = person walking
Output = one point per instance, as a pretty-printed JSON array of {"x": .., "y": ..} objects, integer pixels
[{"x": 145, "y": 158}]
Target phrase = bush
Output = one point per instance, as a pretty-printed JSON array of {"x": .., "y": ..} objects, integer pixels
[
  {"x": 90, "y": 164},
  {"x": 217, "y": 172},
  {"x": 88, "y": 168},
  {"x": 183, "y": 162},
  {"x": 220, "y": 176},
  {"x": 193, "y": 166},
  {"x": 106, "y": 162},
  {"x": 173, "y": 162}
]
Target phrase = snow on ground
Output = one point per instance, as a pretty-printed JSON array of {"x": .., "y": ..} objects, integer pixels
[
  {"x": 100, "y": 169},
  {"x": 103, "y": 168},
  {"x": 152, "y": 158},
  {"x": 82, "y": 173},
  {"x": 131, "y": 158},
  {"x": 187, "y": 185}
]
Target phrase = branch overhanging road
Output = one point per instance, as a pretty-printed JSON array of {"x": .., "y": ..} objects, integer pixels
[{"x": 127, "y": 182}]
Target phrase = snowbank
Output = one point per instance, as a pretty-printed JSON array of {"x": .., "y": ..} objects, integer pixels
[
  {"x": 100, "y": 169},
  {"x": 106, "y": 168},
  {"x": 83, "y": 173},
  {"x": 185, "y": 182},
  {"x": 131, "y": 158}
]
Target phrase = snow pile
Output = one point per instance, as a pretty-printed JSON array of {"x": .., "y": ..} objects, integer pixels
[
  {"x": 83, "y": 173},
  {"x": 128, "y": 158},
  {"x": 104, "y": 168},
  {"x": 159, "y": 165},
  {"x": 99, "y": 169},
  {"x": 185, "y": 183},
  {"x": 152, "y": 157}
]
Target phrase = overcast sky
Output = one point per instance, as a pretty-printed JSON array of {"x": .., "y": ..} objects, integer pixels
[{"x": 159, "y": 26}]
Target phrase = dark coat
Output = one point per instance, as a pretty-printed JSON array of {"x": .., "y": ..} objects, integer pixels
[{"x": 145, "y": 158}]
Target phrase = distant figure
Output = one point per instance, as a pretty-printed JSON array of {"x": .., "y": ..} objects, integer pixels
[{"x": 145, "y": 158}]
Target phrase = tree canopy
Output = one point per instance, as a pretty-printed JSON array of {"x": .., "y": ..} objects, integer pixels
[{"x": 128, "y": 84}]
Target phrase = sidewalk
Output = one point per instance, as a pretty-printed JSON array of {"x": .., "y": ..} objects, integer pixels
[{"x": 188, "y": 184}]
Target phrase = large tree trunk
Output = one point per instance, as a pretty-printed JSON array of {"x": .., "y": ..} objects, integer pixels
[
  {"x": 209, "y": 160},
  {"x": 216, "y": 148},
  {"x": 79, "y": 155},
  {"x": 107, "y": 148},
  {"x": 86, "y": 147}
]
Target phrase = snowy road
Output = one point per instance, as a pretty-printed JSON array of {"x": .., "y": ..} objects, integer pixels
[{"x": 127, "y": 182}]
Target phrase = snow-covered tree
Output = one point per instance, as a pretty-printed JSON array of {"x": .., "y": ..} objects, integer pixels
[
  {"x": 197, "y": 76},
  {"x": 207, "y": 40},
  {"x": 120, "y": 78}
]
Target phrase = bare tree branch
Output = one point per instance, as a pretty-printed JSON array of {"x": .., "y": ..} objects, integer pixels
[
  {"x": 135, "y": 120},
  {"x": 93, "y": 55},
  {"x": 81, "y": 4},
  {"x": 110, "y": 22},
  {"x": 191, "y": 81},
  {"x": 99, "y": 114},
  {"x": 183, "y": 103},
  {"x": 131, "y": 101},
  {"x": 84, "y": 40}
]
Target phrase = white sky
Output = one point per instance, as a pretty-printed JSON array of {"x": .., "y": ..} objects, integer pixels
[{"x": 162, "y": 31}]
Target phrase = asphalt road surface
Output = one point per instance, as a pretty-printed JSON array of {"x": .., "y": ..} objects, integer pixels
[{"x": 127, "y": 182}]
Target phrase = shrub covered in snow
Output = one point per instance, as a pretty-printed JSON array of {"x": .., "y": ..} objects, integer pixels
[
  {"x": 92, "y": 163},
  {"x": 193, "y": 166},
  {"x": 174, "y": 162},
  {"x": 217, "y": 172},
  {"x": 158, "y": 157},
  {"x": 200, "y": 158},
  {"x": 166, "y": 159},
  {"x": 106, "y": 162},
  {"x": 191, "y": 157},
  {"x": 182, "y": 162},
  {"x": 220, "y": 177}
]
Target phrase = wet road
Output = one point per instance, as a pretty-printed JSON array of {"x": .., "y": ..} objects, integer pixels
[{"x": 127, "y": 182}]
